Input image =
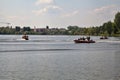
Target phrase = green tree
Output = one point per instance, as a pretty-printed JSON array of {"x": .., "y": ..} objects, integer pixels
[
  {"x": 17, "y": 28},
  {"x": 117, "y": 20},
  {"x": 115, "y": 30},
  {"x": 73, "y": 30},
  {"x": 109, "y": 27},
  {"x": 26, "y": 29}
]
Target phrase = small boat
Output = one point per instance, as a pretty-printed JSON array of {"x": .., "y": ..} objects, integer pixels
[
  {"x": 25, "y": 37},
  {"x": 105, "y": 37},
  {"x": 83, "y": 41}
]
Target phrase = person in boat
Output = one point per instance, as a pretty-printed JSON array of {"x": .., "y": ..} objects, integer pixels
[
  {"x": 101, "y": 37},
  {"x": 88, "y": 38},
  {"x": 82, "y": 38},
  {"x": 104, "y": 37},
  {"x": 25, "y": 37}
]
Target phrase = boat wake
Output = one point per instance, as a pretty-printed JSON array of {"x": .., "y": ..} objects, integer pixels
[
  {"x": 5, "y": 51},
  {"x": 33, "y": 40}
]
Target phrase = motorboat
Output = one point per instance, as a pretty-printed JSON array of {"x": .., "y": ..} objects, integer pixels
[
  {"x": 105, "y": 37},
  {"x": 25, "y": 37},
  {"x": 84, "y": 41}
]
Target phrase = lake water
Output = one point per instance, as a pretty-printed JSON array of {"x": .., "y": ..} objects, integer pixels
[{"x": 58, "y": 58}]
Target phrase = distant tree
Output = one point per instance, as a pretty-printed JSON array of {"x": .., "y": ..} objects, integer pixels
[
  {"x": 73, "y": 30},
  {"x": 17, "y": 28},
  {"x": 115, "y": 29},
  {"x": 117, "y": 20},
  {"x": 97, "y": 30},
  {"x": 26, "y": 29},
  {"x": 109, "y": 27}
]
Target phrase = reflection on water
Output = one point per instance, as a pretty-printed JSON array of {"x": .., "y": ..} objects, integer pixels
[{"x": 58, "y": 58}]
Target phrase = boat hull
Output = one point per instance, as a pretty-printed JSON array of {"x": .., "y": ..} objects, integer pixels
[
  {"x": 84, "y": 41},
  {"x": 103, "y": 38}
]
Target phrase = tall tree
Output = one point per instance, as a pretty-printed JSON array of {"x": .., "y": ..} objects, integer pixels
[{"x": 117, "y": 20}]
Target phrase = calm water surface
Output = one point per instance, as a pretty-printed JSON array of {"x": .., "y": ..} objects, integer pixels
[{"x": 58, "y": 58}]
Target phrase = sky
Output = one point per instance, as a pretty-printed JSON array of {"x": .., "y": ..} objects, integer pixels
[{"x": 57, "y": 13}]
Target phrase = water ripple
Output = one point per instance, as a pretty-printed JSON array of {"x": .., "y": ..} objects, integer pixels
[{"x": 35, "y": 50}]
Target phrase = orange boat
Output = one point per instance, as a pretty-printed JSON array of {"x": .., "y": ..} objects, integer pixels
[{"x": 25, "y": 37}]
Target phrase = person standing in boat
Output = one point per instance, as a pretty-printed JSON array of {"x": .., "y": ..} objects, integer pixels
[
  {"x": 88, "y": 38},
  {"x": 83, "y": 39}
]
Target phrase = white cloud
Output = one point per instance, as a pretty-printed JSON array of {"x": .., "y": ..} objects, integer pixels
[
  {"x": 109, "y": 10},
  {"x": 16, "y": 17},
  {"x": 12, "y": 17},
  {"x": 70, "y": 14},
  {"x": 104, "y": 9},
  {"x": 40, "y": 12},
  {"x": 44, "y": 2},
  {"x": 103, "y": 14},
  {"x": 46, "y": 9},
  {"x": 2, "y": 17}
]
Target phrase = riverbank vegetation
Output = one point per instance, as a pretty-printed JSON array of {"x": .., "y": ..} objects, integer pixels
[{"x": 107, "y": 29}]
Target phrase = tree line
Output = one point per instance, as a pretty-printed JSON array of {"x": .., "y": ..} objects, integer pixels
[{"x": 107, "y": 29}]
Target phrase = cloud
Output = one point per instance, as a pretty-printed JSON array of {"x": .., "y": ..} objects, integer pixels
[
  {"x": 47, "y": 9},
  {"x": 38, "y": 2},
  {"x": 103, "y": 14},
  {"x": 16, "y": 17},
  {"x": 106, "y": 11},
  {"x": 104, "y": 8},
  {"x": 13, "y": 19},
  {"x": 70, "y": 14},
  {"x": 2, "y": 17},
  {"x": 110, "y": 9},
  {"x": 40, "y": 12}
]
